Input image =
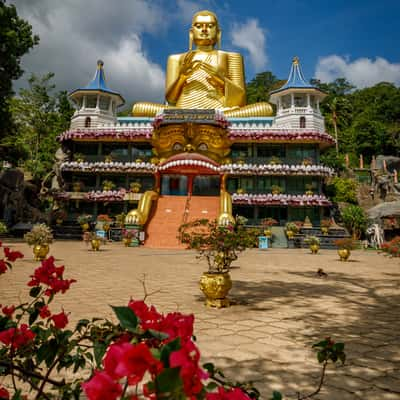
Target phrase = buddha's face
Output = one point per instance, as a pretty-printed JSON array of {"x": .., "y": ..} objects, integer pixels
[{"x": 204, "y": 30}]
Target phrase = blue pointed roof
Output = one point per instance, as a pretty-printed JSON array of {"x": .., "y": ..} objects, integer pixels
[
  {"x": 98, "y": 83},
  {"x": 296, "y": 79}
]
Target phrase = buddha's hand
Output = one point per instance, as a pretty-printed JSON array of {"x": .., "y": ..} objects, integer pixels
[{"x": 188, "y": 66}]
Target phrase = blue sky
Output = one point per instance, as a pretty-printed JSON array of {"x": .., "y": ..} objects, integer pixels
[{"x": 357, "y": 39}]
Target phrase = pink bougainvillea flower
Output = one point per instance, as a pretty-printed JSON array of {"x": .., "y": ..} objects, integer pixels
[
  {"x": 135, "y": 361},
  {"x": 187, "y": 358},
  {"x": 44, "y": 312},
  {"x": 178, "y": 325},
  {"x": 51, "y": 276},
  {"x": 17, "y": 337},
  {"x": 8, "y": 310},
  {"x": 4, "y": 394},
  {"x": 60, "y": 320},
  {"x": 101, "y": 386},
  {"x": 149, "y": 317},
  {"x": 12, "y": 255}
]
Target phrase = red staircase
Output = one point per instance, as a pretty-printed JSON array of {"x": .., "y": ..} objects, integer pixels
[{"x": 169, "y": 214}]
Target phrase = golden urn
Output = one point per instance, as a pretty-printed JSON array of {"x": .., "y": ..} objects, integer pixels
[
  {"x": 314, "y": 248},
  {"x": 215, "y": 287},
  {"x": 344, "y": 254},
  {"x": 95, "y": 243},
  {"x": 40, "y": 251}
]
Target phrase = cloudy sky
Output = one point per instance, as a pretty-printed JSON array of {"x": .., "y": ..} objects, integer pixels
[{"x": 356, "y": 39}]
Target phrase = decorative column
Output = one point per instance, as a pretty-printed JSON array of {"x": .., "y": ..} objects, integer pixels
[
  {"x": 361, "y": 162},
  {"x": 292, "y": 100},
  {"x": 395, "y": 176},
  {"x": 373, "y": 162}
]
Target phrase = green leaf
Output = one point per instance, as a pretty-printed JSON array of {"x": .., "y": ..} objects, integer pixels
[
  {"x": 82, "y": 323},
  {"x": 211, "y": 387},
  {"x": 158, "y": 335},
  {"x": 33, "y": 316},
  {"x": 338, "y": 347},
  {"x": 168, "y": 349},
  {"x": 99, "y": 349},
  {"x": 35, "y": 291},
  {"x": 321, "y": 356},
  {"x": 276, "y": 395},
  {"x": 210, "y": 368},
  {"x": 47, "y": 352},
  {"x": 126, "y": 317},
  {"x": 169, "y": 380}
]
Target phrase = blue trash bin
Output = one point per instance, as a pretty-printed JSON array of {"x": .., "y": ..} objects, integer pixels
[{"x": 263, "y": 242}]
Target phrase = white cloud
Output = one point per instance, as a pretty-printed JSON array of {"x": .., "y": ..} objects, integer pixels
[
  {"x": 251, "y": 37},
  {"x": 75, "y": 34},
  {"x": 362, "y": 72}
]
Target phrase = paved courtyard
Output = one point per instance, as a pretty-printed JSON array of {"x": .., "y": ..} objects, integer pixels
[{"x": 282, "y": 308}]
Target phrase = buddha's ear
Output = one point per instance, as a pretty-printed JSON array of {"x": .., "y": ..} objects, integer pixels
[
  {"x": 190, "y": 39},
  {"x": 219, "y": 35}
]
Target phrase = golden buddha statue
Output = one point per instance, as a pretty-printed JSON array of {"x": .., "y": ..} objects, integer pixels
[{"x": 205, "y": 78}]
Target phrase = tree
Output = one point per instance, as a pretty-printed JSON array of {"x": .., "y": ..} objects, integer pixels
[
  {"x": 16, "y": 39},
  {"x": 258, "y": 89},
  {"x": 39, "y": 116}
]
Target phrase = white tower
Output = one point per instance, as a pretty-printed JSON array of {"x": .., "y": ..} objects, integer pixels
[
  {"x": 298, "y": 103},
  {"x": 96, "y": 104}
]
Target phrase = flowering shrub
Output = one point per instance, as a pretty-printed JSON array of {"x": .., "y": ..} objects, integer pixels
[
  {"x": 345, "y": 243},
  {"x": 39, "y": 234},
  {"x": 392, "y": 247},
  {"x": 268, "y": 222},
  {"x": 219, "y": 245},
  {"x": 312, "y": 240}
]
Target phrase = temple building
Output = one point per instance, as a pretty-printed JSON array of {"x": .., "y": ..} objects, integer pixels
[{"x": 166, "y": 164}]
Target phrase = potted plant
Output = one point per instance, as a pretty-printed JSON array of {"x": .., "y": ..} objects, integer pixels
[
  {"x": 240, "y": 190},
  {"x": 309, "y": 189},
  {"x": 345, "y": 246},
  {"x": 103, "y": 222},
  {"x": 313, "y": 242},
  {"x": 94, "y": 240},
  {"x": 128, "y": 235},
  {"x": 108, "y": 158},
  {"x": 219, "y": 246},
  {"x": 291, "y": 229},
  {"x": 108, "y": 185},
  {"x": 84, "y": 221},
  {"x": 40, "y": 236},
  {"x": 135, "y": 187},
  {"x": 325, "y": 225},
  {"x": 120, "y": 220},
  {"x": 275, "y": 161},
  {"x": 307, "y": 161},
  {"x": 266, "y": 224},
  {"x": 78, "y": 157},
  {"x": 276, "y": 189}
]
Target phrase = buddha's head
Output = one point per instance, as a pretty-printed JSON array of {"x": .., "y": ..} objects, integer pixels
[{"x": 205, "y": 29}]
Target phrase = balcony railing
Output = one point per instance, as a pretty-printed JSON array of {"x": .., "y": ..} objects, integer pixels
[{"x": 275, "y": 160}]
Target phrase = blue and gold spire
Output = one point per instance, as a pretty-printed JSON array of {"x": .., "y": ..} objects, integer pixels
[
  {"x": 98, "y": 84},
  {"x": 296, "y": 78}
]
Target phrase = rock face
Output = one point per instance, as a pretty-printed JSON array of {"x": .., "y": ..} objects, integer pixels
[
  {"x": 392, "y": 162},
  {"x": 18, "y": 199},
  {"x": 384, "y": 209}
]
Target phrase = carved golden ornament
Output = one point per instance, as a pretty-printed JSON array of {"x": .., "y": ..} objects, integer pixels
[
  {"x": 40, "y": 251},
  {"x": 344, "y": 254},
  {"x": 209, "y": 140},
  {"x": 216, "y": 287},
  {"x": 268, "y": 233},
  {"x": 314, "y": 248},
  {"x": 85, "y": 226},
  {"x": 324, "y": 230},
  {"x": 205, "y": 78}
]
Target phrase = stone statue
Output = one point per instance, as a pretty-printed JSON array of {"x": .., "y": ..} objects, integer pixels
[{"x": 205, "y": 78}]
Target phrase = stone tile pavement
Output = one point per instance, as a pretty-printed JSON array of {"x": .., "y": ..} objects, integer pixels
[{"x": 281, "y": 308}]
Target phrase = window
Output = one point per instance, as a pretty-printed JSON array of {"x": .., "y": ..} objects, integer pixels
[
  {"x": 91, "y": 101},
  {"x": 302, "y": 122},
  {"x": 104, "y": 103},
  {"x": 87, "y": 122}
]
